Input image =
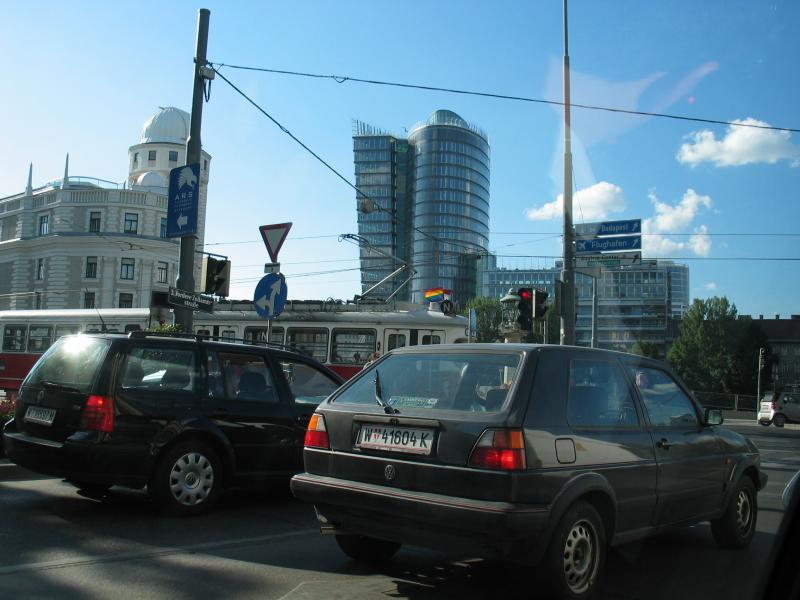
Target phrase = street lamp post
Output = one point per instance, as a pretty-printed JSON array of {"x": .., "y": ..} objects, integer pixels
[{"x": 510, "y": 309}]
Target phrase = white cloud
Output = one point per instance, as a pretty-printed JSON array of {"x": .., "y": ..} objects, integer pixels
[
  {"x": 740, "y": 146},
  {"x": 588, "y": 204},
  {"x": 710, "y": 286},
  {"x": 676, "y": 219}
]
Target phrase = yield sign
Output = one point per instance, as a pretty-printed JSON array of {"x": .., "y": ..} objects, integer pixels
[{"x": 274, "y": 235}]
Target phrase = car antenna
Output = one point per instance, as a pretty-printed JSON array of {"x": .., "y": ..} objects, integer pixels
[{"x": 104, "y": 329}]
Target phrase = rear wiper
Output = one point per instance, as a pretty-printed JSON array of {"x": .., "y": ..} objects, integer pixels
[
  {"x": 389, "y": 410},
  {"x": 52, "y": 385}
]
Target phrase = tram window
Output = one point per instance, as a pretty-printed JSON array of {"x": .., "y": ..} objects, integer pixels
[
  {"x": 14, "y": 337},
  {"x": 39, "y": 338},
  {"x": 204, "y": 333},
  {"x": 309, "y": 340},
  {"x": 62, "y": 330},
  {"x": 259, "y": 334},
  {"x": 395, "y": 340},
  {"x": 431, "y": 339},
  {"x": 228, "y": 334},
  {"x": 352, "y": 346},
  {"x": 132, "y": 327}
]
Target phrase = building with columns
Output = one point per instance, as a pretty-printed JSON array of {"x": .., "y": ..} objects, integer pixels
[{"x": 82, "y": 242}]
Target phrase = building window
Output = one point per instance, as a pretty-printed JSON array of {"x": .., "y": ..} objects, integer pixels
[
  {"x": 38, "y": 300},
  {"x": 127, "y": 268},
  {"x": 151, "y": 155},
  {"x": 91, "y": 267},
  {"x": 40, "y": 269},
  {"x": 44, "y": 224},
  {"x": 94, "y": 222},
  {"x": 88, "y": 300},
  {"x": 131, "y": 223},
  {"x": 173, "y": 156},
  {"x": 163, "y": 269},
  {"x": 135, "y": 159},
  {"x": 163, "y": 230},
  {"x": 126, "y": 300},
  {"x": 205, "y": 164}
]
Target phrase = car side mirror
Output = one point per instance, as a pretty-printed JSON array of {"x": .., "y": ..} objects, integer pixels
[{"x": 713, "y": 416}]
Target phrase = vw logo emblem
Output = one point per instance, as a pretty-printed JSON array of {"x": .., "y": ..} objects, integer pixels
[
  {"x": 390, "y": 473},
  {"x": 40, "y": 396}
]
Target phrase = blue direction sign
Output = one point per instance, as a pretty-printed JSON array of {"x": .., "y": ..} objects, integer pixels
[
  {"x": 183, "y": 199},
  {"x": 608, "y": 244},
  {"x": 270, "y": 295},
  {"x": 632, "y": 226}
]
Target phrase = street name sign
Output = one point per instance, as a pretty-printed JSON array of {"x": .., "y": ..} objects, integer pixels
[
  {"x": 274, "y": 236},
  {"x": 183, "y": 198},
  {"x": 190, "y": 300},
  {"x": 619, "y": 259},
  {"x": 270, "y": 295},
  {"x": 629, "y": 227},
  {"x": 608, "y": 244}
]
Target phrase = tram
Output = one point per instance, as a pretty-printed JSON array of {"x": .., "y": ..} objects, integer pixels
[{"x": 342, "y": 336}]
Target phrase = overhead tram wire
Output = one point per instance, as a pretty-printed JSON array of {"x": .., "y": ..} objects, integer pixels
[
  {"x": 377, "y": 206},
  {"x": 431, "y": 88}
]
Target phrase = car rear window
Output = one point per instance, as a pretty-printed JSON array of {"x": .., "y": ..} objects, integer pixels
[
  {"x": 466, "y": 382},
  {"x": 72, "y": 361}
]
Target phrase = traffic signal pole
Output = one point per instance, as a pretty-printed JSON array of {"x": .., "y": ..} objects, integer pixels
[
  {"x": 184, "y": 316},
  {"x": 568, "y": 269}
]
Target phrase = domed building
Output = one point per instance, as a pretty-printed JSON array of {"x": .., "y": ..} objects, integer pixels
[{"x": 82, "y": 242}]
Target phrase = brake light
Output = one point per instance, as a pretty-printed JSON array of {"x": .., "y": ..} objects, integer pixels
[
  {"x": 98, "y": 414},
  {"x": 774, "y": 406},
  {"x": 502, "y": 449},
  {"x": 316, "y": 434}
]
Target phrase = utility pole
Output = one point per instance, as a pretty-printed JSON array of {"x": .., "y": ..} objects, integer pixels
[
  {"x": 184, "y": 316},
  {"x": 568, "y": 269}
]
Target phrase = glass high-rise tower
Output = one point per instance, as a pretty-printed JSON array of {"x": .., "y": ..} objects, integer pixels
[{"x": 429, "y": 205}]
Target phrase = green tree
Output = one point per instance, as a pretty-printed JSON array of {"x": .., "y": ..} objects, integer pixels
[
  {"x": 489, "y": 317},
  {"x": 645, "y": 348},
  {"x": 715, "y": 350}
]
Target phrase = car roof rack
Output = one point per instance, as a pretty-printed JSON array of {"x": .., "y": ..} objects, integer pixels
[{"x": 203, "y": 337}]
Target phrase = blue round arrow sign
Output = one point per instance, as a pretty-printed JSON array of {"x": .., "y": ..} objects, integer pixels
[{"x": 270, "y": 295}]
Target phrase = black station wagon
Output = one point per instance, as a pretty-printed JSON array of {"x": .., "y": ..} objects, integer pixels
[
  {"x": 184, "y": 417},
  {"x": 533, "y": 454}
]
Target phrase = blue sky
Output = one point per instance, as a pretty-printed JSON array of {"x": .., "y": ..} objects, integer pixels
[{"x": 83, "y": 77}]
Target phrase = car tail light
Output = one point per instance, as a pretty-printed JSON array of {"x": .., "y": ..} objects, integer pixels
[
  {"x": 774, "y": 406},
  {"x": 502, "y": 449},
  {"x": 316, "y": 434},
  {"x": 98, "y": 414}
]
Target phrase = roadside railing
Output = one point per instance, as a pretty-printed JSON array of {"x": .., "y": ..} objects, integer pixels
[{"x": 724, "y": 401}]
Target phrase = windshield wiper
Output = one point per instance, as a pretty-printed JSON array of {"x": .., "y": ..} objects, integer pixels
[
  {"x": 52, "y": 385},
  {"x": 389, "y": 410}
]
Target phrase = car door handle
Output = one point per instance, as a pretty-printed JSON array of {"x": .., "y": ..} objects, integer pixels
[{"x": 663, "y": 443}]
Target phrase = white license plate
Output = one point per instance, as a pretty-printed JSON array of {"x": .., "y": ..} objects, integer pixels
[
  {"x": 43, "y": 416},
  {"x": 396, "y": 439}
]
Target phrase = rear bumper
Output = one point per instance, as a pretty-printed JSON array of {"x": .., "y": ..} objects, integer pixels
[
  {"x": 87, "y": 461},
  {"x": 486, "y": 528}
]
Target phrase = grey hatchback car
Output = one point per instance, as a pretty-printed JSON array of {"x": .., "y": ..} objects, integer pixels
[{"x": 541, "y": 455}]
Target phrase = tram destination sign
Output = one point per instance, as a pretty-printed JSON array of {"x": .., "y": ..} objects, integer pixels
[{"x": 190, "y": 300}]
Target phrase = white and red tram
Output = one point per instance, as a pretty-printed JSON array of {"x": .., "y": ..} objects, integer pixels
[{"x": 342, "y": 336}]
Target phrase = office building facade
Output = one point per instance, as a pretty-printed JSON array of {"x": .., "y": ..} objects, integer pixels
[
  {"x": 636, "y": 303},
  {"x": 425, "y": 203}
]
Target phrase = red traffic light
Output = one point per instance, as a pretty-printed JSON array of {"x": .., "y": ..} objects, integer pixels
[{"x": 525, "y": 293}]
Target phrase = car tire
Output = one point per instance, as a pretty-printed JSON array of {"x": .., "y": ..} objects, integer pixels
[
  {"x": 766, "y": 423},
  {"x": 737, "y": 525},
  {"x": 188, "y": 479},
  {"x": 779, "y": 420},
  {"x": 575, "y": 557},
  {"x": 367, "y": 549}
]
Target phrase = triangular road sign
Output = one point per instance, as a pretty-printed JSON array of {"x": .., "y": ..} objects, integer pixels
[{"x": 274, "y": 235}]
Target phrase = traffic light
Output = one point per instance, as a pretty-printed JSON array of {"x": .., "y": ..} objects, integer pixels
[
  {"x": 215, "y": 276},
  {"x": 539, "y": 304},
  {"x": 525, "y": 307}
]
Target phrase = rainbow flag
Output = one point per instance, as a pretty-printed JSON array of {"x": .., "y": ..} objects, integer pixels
[{"x": 437, "y": 294}]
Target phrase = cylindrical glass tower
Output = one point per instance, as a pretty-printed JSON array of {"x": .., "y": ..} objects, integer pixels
[{"x": 450, "y": 204}]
